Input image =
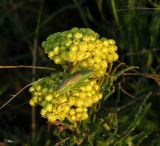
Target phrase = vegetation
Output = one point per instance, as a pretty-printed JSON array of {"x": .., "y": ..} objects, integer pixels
[{"x": 128, "y": 113}]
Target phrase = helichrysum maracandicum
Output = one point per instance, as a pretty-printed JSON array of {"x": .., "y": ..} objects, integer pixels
[{"x": 81, "y": 49}]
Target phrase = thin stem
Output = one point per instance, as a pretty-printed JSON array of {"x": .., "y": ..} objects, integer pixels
[
  {"x": 81, "y": 12},
  {"x": 129, "y": 104},
  {"x": 34, "y": 58},
  {"x": 33, "y": 110},
  {"x": 125, "y": 92},
  {"x": 18, "y": 93},
  {"x": 63, "y": 141},
  {"x": 26, "y": 66},
  {"x": 152, "y": 76}
]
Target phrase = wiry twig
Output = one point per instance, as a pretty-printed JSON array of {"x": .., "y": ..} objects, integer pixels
[
  {"x": 142, "y": 52},
  {"x": 18, "y": 93},
  {"x": 11, "y": 109},
  {"x": 129, "y": 104},
  {"x": 125, "y": 92},
  {"x": 152, "y": 76},
  {"x": 26, "y": 66},
  {"x": 63, "y": 141}
]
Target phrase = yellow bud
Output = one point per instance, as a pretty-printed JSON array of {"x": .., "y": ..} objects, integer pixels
[
  {"x": 69, "y": 35},
  {"x": 78, "y": 116},
  {"x": 88, "y": 88},
  {"x": 57, "y": 60},
  {"x": 110, "y": 58},
  {"x": 38, "y": 88},
  {"x": 51, "y": 54},
  {"x": 73, "y": 48},
  {"x": 89, "y": 93},
  {"x": 68, "y": 42},
  {"x": 44, "y": 90},
  {"x": 90, "y": 61},
  {"x": 92, "y": 92},
  {"x": 88, "y": 103},
  {"x": 51, "y": 117},
  {"x": 78, "y": 35},
  {"x": 104, "y": 64},
  {"x": 32, "y": 103},
  {"x": 56, "y": 50},
  {"x": 87, "y": 54},
  {"x": 57, "y": 95},
  {"x": 72, "y": 112},
  {"x": 92, "y": 82},
  {"x": 90, "y": 47},
  {"x": 97, "y": 66},
  {"x": 95, "y": 99},
  {"x": 31, "y": 89},
  {"x": 72, "y": 101},
  {"x": 86, "y": 38},
  {"x": 66, "y": 108},
  {"x": 72, "y": 56},
  {"x": 76, "y": 93},
  {"x": 100, "y": 96},
  {"x": 43, "y": 112},
  {"x": 92, "y": 38},
  {"x": 101, "y": 73},
  {"x": 106, "y": 43},
  {"x": 36, "y": 93},
  {"x": 111, "y": 42},
  {"x": 48, "y": 97},
  {"x": 36, "y": 99},
  {"x": 83, "y": 47},
  {"x": 79, "y": 102},
  {"x": 115, "y": 56},
  {"x": 84, "y": 109},
  {"x": 62, "y": 99},
  {"x": 73, "y": 118},
  {"x": 84, "y": 64},
  {"x": 61, "y": 116},
  {"x": 82, "y": 95},
  {"x": 60, "y": 109},
  {"x": 83, "y": 88},
  {"x": 84, "y": 116},
  {"x": 49, "y": 107},
  {"x": 105, "y": 51},
  {"x": 79, "y": 109},
  {"x": 80, "y": 56},
  {"x": 76, "y": 41},
  {"x": 96, "y": 87},
  {"x": 112, "y": 48},
  {"x": 97, "y": 60}
]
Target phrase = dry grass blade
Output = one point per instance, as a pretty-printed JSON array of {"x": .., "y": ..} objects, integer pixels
[
  {"x": 156, "y": 78},
  {"x": 26, "y": 66},
  {"x": 18, "y": 93},
  {"x": 63, "y": 141}
]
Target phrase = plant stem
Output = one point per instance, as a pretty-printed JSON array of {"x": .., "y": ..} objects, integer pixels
[
  {"x": 34, "y": 57},
  {"x": 26, "y": 66}
]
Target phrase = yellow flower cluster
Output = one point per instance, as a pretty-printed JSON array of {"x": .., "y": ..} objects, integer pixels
[
  {"x": 79, "y": 49},
  {"x": 71, "y": 105},
  {"x": 83, "y": 48}
]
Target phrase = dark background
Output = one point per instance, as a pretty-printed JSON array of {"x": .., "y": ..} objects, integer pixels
[{"x": 24, "y": 24}]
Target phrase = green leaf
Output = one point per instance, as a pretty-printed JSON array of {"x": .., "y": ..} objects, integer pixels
[
  {"x": 118, "y": 74},
  {"x": 135, "y": 119}
]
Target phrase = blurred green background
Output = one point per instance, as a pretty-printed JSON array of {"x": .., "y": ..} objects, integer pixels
[{"x": 24, "y": 24}]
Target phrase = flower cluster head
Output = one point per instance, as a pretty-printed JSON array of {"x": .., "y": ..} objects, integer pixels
[
  {"x": 83, "y": 48},
  {"x": 71, "y": 105},
  {"x": 76, "y": 49}
]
